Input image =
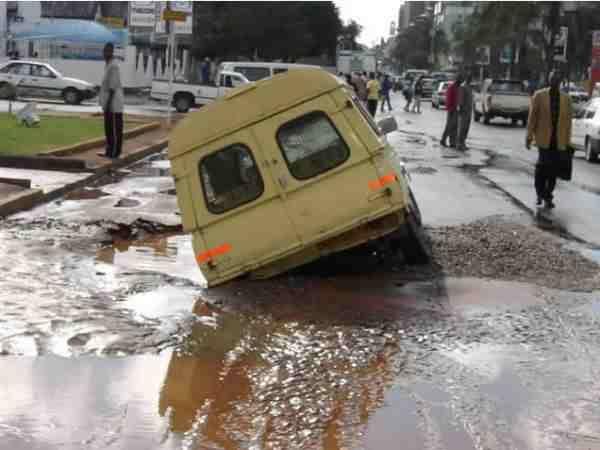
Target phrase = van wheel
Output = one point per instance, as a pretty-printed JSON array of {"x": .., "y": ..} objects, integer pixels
[
  {"x": 183, "y": 103},
  {"x": 413, "y": 244},
  {"x": 71, "y": 96}
]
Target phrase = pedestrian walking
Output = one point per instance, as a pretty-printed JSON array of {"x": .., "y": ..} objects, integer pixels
[
  {"x": 386, "y": 87},
  {"x": 465, "y": 112},
  {"x": 451, "y": 128},
  {"x": 408, "y": 95},
  {"x": 373, "y": 88},
  {"x": 361, "y": 88},
  {"x": 205, "y": 70},
  {"x": 549, "y": 124},
  {"x": 111, "y": 100},
  {"x": 417, "y": 95}
]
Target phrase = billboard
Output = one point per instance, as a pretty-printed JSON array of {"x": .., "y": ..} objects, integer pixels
[{"x": 141, "y": 14}]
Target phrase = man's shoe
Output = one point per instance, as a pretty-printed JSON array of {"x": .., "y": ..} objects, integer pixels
[
  {"x": 538, "y": 202},
  {"x": 443, "y": 144},
  {"x": 549, "y": 204}
]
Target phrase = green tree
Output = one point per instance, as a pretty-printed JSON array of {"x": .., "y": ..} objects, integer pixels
[{"x": 349, "y": 35}]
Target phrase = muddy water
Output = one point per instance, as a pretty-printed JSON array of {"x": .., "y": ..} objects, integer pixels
[{"x": 113, "y": 343}]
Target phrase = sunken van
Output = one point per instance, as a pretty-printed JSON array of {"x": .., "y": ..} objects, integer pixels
[{"x": 286, "y": 170}]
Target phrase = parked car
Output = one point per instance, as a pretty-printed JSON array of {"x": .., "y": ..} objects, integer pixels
[
  {"x": 438, "y": 99},
  {"x": 40, "y": 80},
  {"x": 502, "y": 98},
  {"x": 428, "y": 87},
  {"x": 274, "y": 176},
  {"x": 585, "y": 134},
  {"x": 187, "y": 95},
  {"x": 577, "y": 93}
]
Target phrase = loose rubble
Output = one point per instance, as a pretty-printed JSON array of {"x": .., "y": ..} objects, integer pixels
[{"x": 512, "y": 252}]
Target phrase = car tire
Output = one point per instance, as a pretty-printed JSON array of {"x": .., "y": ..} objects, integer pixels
[
  {"x": 524, "y": 122},
  {"x": 72, "y": 96},
  {"x": 590, "y": 156},
  {"x": 414, "y": 244},
  {"x": 514, "y": 122},
  {"x": 477, "y": 116},
  {"x": 182, "y": 103}
]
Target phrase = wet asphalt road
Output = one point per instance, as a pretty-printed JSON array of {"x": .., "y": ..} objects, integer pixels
[{"x": 110, "y": 341}]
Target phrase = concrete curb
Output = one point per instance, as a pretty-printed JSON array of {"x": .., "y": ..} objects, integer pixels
[
  {"x": 23, "y": 182},
  {"x": 38, "y": 197},
  {"x": 44, "y": 163},
  {"x": 99, "y": 142},
  {"x": 20, "y": 202}
]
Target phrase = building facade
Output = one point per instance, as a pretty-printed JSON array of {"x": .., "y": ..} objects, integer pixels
[
  {"x": 409, "y": 11},
  {"x": 445, "y": 17}
]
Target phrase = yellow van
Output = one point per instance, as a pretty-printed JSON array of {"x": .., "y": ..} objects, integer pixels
[{"x": 285, "y": 170}]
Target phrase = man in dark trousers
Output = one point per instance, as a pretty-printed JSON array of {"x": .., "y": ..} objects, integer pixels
[
  {"x": 111, "y": 100},
  {"x": 549, "y": 124},
  {"x": 451, "y": 128}
]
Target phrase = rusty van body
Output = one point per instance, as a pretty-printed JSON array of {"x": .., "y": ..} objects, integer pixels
[{"x": 283, "y": 171}]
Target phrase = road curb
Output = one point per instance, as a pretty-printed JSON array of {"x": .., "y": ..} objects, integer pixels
[
  {"x": 37, "y": 197},
  {"x": 20, "y": 201},
  {"x": 99, "y": 142}
]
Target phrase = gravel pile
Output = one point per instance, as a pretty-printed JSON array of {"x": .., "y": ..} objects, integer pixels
[{"x": 512, "y": 252}]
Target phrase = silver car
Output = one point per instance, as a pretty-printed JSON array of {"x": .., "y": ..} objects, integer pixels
[{"x": 40, "y": 80}]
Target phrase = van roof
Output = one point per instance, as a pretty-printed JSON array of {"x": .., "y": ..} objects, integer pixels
[{"x": 249, "y": 104}]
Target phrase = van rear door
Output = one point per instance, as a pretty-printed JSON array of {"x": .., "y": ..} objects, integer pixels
[
  {"x": 324, "y": 169},
  {"x": 243, "y": 219}
]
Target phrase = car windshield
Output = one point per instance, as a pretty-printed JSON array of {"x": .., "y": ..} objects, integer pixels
[{"x": 508, "y": 86}]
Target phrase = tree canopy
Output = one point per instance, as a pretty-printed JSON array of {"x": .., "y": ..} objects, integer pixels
[{"x": 266, "y": 30}]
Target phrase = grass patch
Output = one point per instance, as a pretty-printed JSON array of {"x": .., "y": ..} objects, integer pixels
[{"x": 52, "y": 132}]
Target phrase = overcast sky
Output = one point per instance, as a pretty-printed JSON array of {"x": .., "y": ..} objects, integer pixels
[{"x": 374, "y": 15}]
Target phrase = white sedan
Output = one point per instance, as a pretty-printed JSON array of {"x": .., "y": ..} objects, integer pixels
[
  {"x": 40, "y": 80},
  {"x": 585, "y": 134}
]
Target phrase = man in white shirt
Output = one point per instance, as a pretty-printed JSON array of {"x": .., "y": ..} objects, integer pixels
[{"x": 111, "y": 100}]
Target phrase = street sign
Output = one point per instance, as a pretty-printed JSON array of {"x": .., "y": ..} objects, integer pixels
[{"x": 175, "y": 16}]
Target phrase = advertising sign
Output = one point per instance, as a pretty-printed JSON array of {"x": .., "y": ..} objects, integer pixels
[
  {"x": 560, "y": 44},
  {"x": 595, "y": 66},
  {"x": 141, "y": 14},
  {"x": 180, "y": 27},
  {"x": 482, "y": 56}
]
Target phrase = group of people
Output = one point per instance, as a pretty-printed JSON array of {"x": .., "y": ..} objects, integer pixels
[
  {"x": 459, "y": 110},
  {"x": 372, "y": 89},
  {"x": 413, "y": 93}
]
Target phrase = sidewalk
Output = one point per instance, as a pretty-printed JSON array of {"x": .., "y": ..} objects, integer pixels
[{"x": 48, "y": 185}]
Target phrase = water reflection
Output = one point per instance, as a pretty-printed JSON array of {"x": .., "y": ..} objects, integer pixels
[{"x": 280, "y": 380}]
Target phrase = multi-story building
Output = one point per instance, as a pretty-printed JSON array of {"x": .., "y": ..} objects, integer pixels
[
  {"x": 446, "y": 14},
  {"x": 409, "y": 11}
]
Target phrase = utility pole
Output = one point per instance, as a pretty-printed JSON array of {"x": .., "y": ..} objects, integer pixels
[{"x": 170, "y": 28}]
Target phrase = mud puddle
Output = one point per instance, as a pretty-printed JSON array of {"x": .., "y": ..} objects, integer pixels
[{"x": 324, "y": 364}]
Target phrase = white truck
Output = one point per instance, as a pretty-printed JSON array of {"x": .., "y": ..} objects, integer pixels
[
  {"x": 502, "y": 98},
  {"x": 188, "y": 95},
  {"x": 349, "y": 61}
]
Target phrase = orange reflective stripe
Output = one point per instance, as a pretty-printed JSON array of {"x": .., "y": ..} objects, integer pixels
[
  {"x": 381, "y": 182},
  {"x": 210, "y": 254}
]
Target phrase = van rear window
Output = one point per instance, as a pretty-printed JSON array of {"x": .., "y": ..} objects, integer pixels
[
  {"x": 311, "y": 145},
  {"x": 230, "y": 178},
  {"x": 253, "y": 73}
]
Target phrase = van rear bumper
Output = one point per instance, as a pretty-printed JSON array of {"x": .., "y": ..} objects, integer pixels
[{"x": 379, "y": 227}]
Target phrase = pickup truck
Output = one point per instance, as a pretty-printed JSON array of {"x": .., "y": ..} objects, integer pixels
[
  {"x": 187, "y": 95},
  {"x": 502, "y": 98}
]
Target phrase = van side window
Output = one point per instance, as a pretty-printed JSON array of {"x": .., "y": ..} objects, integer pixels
[
  {"x": 311, "y": 145},
  {"x": 230, "y": 178},
  {"x": 253, "y": 73}
]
